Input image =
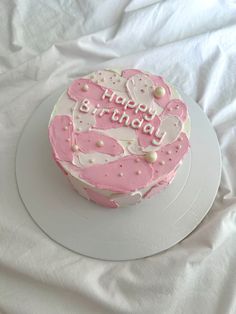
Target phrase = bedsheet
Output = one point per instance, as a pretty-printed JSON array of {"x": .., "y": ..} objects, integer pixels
[{"x": 43, "y": 46}]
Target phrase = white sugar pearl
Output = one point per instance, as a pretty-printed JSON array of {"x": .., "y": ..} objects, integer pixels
[
  {"x": 159, "y": 92},
  {"x": 75, "y": 148},
  {"x": 85, "y": 87},
  {"x": 138, "y": 172},
  {"x": 65, "y": 128},
  {"x": 121, "y": 174},
  {"x": 162, "y": 162},
  {"x": 151, "y": 157},
  {"x": 100, "y": 143}
]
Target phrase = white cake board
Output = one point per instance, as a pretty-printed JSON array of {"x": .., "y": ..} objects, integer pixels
[{"x": 117, "y": 234}]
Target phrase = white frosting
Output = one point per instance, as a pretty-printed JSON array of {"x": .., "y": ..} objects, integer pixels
[
  {"x": 122, "y": 133},
  {"x": 82, "y": 121},
  {"x": 128, "y": 199},
  {"x": 169, "y": 129},
  {"x": 64, "y": 106},
  {"x": 140, "y": 88},
  {"x": 110, "y": 79}
]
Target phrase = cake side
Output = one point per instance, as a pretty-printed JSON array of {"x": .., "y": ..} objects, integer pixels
[{"x": 119, "y": 136}]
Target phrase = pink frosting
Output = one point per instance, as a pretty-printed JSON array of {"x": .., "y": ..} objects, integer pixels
[
  {"x": 87, "y": 142},
  {"x": 124, "y": 175},
  {"x": 77, "y": 93},
  {"x": 170, "y": 156},
  {"x": 60, "y": 130},
  {"x": 101, "y": 199},
  {"x": 176, "y": 108},
  {"x": 162, "y": 184}
]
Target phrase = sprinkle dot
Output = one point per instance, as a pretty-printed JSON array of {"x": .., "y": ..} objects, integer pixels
[
  {"x": 138, "y": 172},
  {"x": 178, "y": 146},
  {"x": 168, "y": 152},
  {"x": 68, "y": 139},
  {"x": 98, "y": 106},
  {"x": 142, "y": 91},
  {"x": 91, "y": 161},
  {"x": 120, "y": 174},
  {"x": 137, "y": 160},
  {"x": 102, "y": 80},
  {"x": 65, "y": 128},
  {"x": 161, "y": 162},
  {"x": 180, "y": 139}
]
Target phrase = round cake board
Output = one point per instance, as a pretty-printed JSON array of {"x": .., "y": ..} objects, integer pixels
[{"x": 119, "y": 234}]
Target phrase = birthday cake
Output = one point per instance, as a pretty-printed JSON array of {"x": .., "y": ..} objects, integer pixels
[{"x": 119, "y": 136}]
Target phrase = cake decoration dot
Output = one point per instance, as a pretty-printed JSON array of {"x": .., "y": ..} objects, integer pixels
[
  {"x": 70, "y": 123},
  {"x": 161, "y": 162},
  {"x": 85, "y": 87},
  {"x": 65, "y": 128},
  {"x": 102, "y": 79},
  {"x": 159, "y": 92},
  {"x": 99, "y": 143},
  {"x": 75, "y": 148},
  {"x": 138, "y": 172},
  {"x": 137, "y": 160},
  {"x": 168, "y": 152},
  {"x": 180, "y": 139},
  {"x": 97, "y": 106},
  {"x": 121, "y": 174},
  {"x": 178, "y": 146},
  {"x": 91, "y": 161},
  {"x": 151, "y": 157},
  {"x": 177, "y": 107},
  {"x": 68, "y": 139}
]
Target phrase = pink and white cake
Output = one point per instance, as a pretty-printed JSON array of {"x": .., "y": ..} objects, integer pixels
[{"x": 119, "y": 136}]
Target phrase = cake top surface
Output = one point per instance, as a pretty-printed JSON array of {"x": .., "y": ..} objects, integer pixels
[{"x": 119, "y": 130}]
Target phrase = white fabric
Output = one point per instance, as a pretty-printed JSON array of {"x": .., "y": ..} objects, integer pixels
[{"x": 43, "y": 44}]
